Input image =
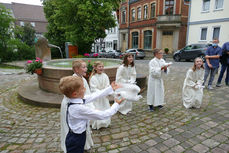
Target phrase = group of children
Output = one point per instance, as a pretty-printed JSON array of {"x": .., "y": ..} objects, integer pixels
[{"x": 78, "y": 112}]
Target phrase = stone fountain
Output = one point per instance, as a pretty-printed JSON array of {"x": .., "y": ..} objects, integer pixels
[{"x": 44, "y": 90}]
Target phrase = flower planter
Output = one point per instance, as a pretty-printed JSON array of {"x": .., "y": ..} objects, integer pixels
[{"x": 38, "y": 71}]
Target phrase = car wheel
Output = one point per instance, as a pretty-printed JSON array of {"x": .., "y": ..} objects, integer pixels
[{"x": 177, "y": 58}]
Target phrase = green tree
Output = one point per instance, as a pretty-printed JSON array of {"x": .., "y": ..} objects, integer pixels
[
  {"x": 26, "y": 34},
  {"x": 81, "y": 21},
  {"x": 5, "y": 29},
  {"x": 55, "y": 34}
]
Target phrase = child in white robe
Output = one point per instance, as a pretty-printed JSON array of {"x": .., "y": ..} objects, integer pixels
[
  {"x": 126, "y": 73},
  {"x": 155, "y": 91},
  {"x": 99, "y": 81},
  {"x": 79, "y": 68},
  {"x": 193, "y": 90}
]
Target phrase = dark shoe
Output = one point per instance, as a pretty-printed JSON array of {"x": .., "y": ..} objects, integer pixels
[
  {"x": 151, "y": 108},
  {"x": 160, "y": 106}
]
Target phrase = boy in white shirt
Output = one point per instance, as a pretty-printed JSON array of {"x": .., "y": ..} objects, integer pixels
[{"x": 78, "y": 115}]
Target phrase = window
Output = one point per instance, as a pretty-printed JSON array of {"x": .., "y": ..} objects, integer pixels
[
  {"x": 148, "y": 39},
  {"x": 206, "y": 5},
  {"x": 135, "y": 40},
  {"x": 124, "y": 37},
  {"x": 133, "y": 14},
  {"x": 153, "y": 10},
  {"x": 22, "y": 23},
  {"x": 218, "y": 4},
  {"x": 167, "y": 33},
  {"x": 169, "y": 6},
  {"x": 216, "y": 32},
  {"x": 32, "y": 24},
  {"x": 123, "y": 16},
  {"x": 139, "y": 13},
  {"x": 203, "y": 35},
  {"x": 145, "y": 11}
]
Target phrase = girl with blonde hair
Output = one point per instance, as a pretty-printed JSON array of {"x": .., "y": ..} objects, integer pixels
[
  {"x": 99, "y": 81},
  {"x": 193, "y": 90}
]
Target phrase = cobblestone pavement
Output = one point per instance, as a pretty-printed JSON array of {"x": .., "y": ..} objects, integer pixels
[{"x": 29, "y": 129}]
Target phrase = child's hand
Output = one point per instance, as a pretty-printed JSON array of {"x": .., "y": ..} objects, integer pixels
[
  {"x": 119, "y": 101},
  {"x": 115, "y": 85}
]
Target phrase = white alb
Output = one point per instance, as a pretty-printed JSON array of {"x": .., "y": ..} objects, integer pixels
[{"x": 193, "y": 90}]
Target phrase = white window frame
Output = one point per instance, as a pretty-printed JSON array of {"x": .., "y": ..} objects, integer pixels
[
  {"x": 201, "y": 33},
  {"x": 154, "y": 3},
  {"x": 205, "y": 11},
  {"x": 32, "y": 24},
  {"x": 213, "y": 27},
  {"x": 146, "y": 11},
  {"x": 133, "y": 14},
  {"x": 215, "y": 9},
  {"x": 140, "y": 13},
  {"x": 22, "y": 23},
  {"x": 123, "y": 20},
  {"x": 174, "y": 7}
]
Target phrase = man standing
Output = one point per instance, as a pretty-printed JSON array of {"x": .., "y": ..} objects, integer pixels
[
  {"x": 213, "y": 54},
  {"x": 224, "y": 59}
]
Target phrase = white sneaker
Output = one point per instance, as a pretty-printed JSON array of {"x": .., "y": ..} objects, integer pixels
[{"x": 210, "y": 87}]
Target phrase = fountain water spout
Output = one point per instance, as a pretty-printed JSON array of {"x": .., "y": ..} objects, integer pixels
[{"x": 54, "y": 46}]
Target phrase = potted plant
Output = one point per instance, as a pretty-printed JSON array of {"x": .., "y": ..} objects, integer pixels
[
  {"x": 166, "y": 50},
  {"x": 34, "y": 66}
]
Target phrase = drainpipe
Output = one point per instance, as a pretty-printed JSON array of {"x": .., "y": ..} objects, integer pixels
[
  {"x": 189, "y": 12},
  {"x": 128, "y": 24}
]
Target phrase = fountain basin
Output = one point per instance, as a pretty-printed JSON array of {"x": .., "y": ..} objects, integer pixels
[{"x": 54, "y": 70}]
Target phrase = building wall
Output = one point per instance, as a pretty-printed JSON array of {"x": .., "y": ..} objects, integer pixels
[
  {"x": 195, "y": 32},
  {"x": 198, "y": 15},
  {"x": 178, "y": 28},
  {"x": 209, "y": 19}
]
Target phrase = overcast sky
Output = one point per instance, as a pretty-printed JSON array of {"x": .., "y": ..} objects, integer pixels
[{"x": 34, "y": 2}]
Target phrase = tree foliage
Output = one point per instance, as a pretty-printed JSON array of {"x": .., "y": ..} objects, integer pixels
[
  {"x": 5, "y": 27},
  {"x": 26, "y": 34},
  {"x": 81, "y": 21}
]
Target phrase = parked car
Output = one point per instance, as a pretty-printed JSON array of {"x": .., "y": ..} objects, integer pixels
[
  {"x": 190, "y": 52},
  {"x": 138, "y": 53},
  {"x": 102, "y": 53},
  {"x": 110, "y": 53},
  {"x": 118, "y": 53}
]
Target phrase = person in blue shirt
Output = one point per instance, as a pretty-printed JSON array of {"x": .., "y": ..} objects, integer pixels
[
  {"x": 224, "y": 59},
  {"x": 212, "y": 56}
]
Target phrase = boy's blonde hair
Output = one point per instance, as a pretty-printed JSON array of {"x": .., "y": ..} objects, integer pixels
[
  {"x": 77, "y": 64},
  {"x": 70, "y": 84}
]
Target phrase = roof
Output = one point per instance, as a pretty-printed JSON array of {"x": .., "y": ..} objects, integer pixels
[
  {"x": 28, "y": 12},
  {"x": 7, "y": 5}
]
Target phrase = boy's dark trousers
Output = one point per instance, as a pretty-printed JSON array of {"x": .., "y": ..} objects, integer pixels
[{"x": 75, "y": 142}]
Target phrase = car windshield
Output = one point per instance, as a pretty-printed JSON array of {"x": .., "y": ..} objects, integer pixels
[{"x": 140, "y": 50}]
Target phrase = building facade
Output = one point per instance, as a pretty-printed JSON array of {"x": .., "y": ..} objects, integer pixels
[
  {"x": 208, "y": 19},
  {"x": 149, "y": 24},
  {"x": 31, "y": 14},
  {"x": 110, "y": 42}
]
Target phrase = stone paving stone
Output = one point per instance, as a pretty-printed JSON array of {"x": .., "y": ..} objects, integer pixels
[
  {"x": 171, "y": 129},
  {"x": 153, "y": 150},
  {"x": 225, "y": 147},
  {"x": 178, "y": 149},
  {"x": 150, "y": 143},
  {"x": 210, "y": 143},
  {"x": 200, "y": 148},
  {"x": 218, "y": 150},
  {"x": 171, "y": 142}
]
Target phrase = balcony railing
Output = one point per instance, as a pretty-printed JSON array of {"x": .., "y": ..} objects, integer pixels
[{"x": 168, "y": 18}]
